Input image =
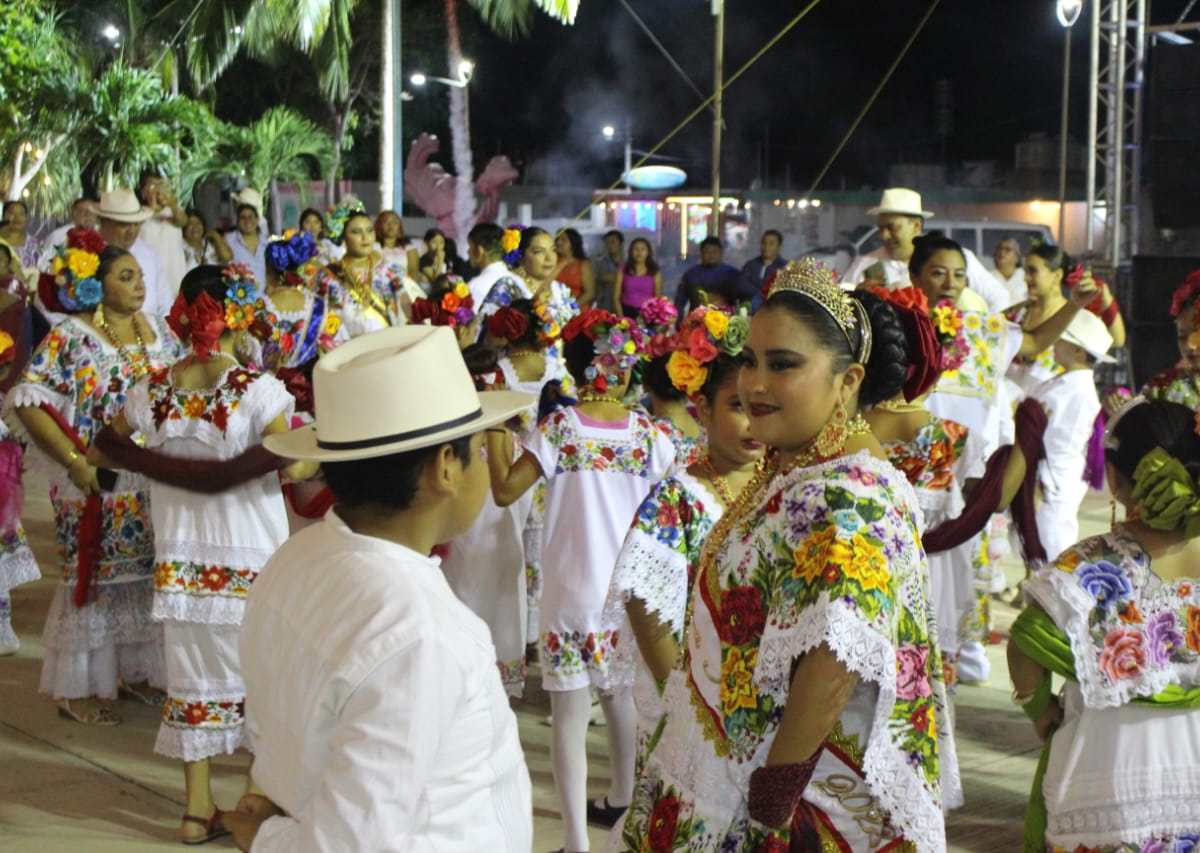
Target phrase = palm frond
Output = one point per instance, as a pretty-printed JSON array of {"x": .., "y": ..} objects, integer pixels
[
  {"x": 214, "y": 37},
  {"x": 512, "y": 18}
]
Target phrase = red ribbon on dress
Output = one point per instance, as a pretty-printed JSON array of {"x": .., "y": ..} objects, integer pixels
[{"x": 90, "y": 523}]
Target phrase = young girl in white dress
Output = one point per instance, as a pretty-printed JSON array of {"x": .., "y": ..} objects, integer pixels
[
  {"x": 208, "y": 547},
  {"x": 600, "y": 461}
]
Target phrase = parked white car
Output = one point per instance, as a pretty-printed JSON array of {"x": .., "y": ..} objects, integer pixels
[{"x": 978, "y": 235}]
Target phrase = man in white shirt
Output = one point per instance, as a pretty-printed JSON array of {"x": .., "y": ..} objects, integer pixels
[
  {"x": 487, "y": 256},
  {"x": 121, "y": 217},
  {"x": 373, "y": 703},
  {"x": 1010, "y": 270},
  {"x": 901, "y": 217},
  {"x": 163, "y": 232}
]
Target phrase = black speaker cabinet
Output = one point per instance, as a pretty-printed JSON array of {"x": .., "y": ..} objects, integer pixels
[{"x": 1150, "y": 329}]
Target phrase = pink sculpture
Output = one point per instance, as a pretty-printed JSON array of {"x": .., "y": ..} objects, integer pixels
[{"x": 431, "y": 187}]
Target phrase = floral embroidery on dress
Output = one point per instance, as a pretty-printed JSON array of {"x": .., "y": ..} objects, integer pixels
[
  {"x": 126, "y": 540},
  {"x": 183, "y": 577},
  {"x": 1174, "y": 385},
  {"x": 928, "y": 460},
  {"x": 983, "y": 369},
  {"x": 569, "y": 653},
  {"x": 577, "y": 453},
  {"x": 215, "y": 406},
  {"x": 688, "y": 451},
  {"x": 202, "y": 713},
  {"x": 1185, "y": 843},
  {"x": 1132, "y": 632}
]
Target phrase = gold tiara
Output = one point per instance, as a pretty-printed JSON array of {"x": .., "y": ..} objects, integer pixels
[{"x": 813, "y": 279}]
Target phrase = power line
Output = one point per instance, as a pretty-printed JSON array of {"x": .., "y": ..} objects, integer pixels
[{"x": 661, "y": 48}]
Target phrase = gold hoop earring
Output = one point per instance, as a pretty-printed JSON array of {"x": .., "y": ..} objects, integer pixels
[{"x": 832, "y": 437}]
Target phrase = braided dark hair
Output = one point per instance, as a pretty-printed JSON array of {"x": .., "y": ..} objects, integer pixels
[
  {"x": 887, "y": 364},
  {"x": 1157, "y": 423}
]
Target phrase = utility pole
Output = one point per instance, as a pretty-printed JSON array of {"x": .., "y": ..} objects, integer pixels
[
  {"x": 391, "y": 138},
  {"x": 718, "y": 9}
]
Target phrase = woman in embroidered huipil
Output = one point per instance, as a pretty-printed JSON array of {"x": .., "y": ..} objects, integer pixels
[
  {"x": 807, "y": 708},
  {"x": 301, "y": 322},
  {"x": 1118, "y": 616},
  {"x": 208, "y": 547},
  {"x": 99, "y": 633},
  {"x": 367, "y": 292},
  {"x": 657, "y": 563}
]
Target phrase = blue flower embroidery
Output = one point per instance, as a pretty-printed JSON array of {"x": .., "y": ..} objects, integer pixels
[
  {"x": 847, "y": 520},
  {"x": 1104, "y": 582}
]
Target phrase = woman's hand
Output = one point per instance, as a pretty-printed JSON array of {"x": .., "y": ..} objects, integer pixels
[
  {"x": 1085, "y": 291},
  {"x": 1050, "y": 720},
  {"x": 83, "y": 475}
]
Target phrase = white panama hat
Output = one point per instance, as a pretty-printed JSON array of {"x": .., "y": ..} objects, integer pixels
[
  {"x": 1089, "y": 332},
  {"x": 392, "y": 391},
  {"x": 902, "y": 201},
  {"x": 249, "y": 196},
  {"x": 122, "y": 206}
]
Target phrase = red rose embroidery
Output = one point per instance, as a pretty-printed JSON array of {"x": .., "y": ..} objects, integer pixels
[
  {"x": 195, "y": 713},
  {"x": 667, "y": 516},
  {"x": 608, "y": 453},
  {"x": 775, "y": 502},
  {"x": 569, "y": 450},
  {"x": 663, "y": 821},
  {"x": 214, "y": 579},
  {"x": 774, "y": 844},
  {"x": 552, "y": 642},
  {"x": 742, "y": 615}
]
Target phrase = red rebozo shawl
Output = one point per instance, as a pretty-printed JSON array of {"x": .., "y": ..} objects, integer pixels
[{"x": 984, "y": 501}]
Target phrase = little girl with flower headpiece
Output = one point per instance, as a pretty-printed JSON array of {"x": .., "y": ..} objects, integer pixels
[
  {"x": 600, "y": 461},
  {"x": 208, "y": 408},
  {"x": 657, "y": 564}
]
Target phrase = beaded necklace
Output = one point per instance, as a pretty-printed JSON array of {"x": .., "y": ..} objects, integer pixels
[
  {"x": 600, "y": 398},
  {"x": 138, "y": 369},
  {"x": 717, "y": 480}
]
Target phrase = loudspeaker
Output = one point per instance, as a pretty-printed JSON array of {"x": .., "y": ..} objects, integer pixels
[
  {"x": 1175, "y": 134},
  {"x": 1150, "y": 329}
]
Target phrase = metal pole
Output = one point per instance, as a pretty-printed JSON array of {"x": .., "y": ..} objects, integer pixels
[
  {"x": 1093, "y": 122},
  {"x": 628, "y": 152},
  {"x": 391, "y": 139},
  {"x": 1114, "y": 221},
  {"x": 718, "y": 105},
  {"x": 1062, "y": 138}
]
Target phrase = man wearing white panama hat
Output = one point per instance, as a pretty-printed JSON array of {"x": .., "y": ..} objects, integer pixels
[
  {"x": 121, "y": 216},
  {"x": 373, "y": 702},
  {"x": 901, "y": 217}
]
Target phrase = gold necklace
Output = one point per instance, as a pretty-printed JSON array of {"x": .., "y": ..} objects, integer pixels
[
  {"x": 137, "y": 369},
  {"x": 900, "y": 406},
  {"x": 600, "y": 398},
  {"x": 717, "y": 480}
]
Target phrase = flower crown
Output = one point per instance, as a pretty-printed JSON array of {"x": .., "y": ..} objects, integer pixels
[
  {"x": 510, "y": 244},
  {"x": 291, "y": 255},
  {"x": 619, "y": 343},
  {"x": 454, "y": 308},
  {"x": 658, "y": 315},
  {"x": 813, "y": 279},
  {"x": 705, "y": 334},
  {"x": 337, "y": 217},
  {"x": 1186, "y": 293},
  {"x": 74, "y": 267}
]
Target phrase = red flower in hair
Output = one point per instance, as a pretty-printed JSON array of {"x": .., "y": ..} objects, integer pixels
[
  {"x": 1186, "y": 293},
  {"x": 587, "y": 322},
  {"x": 909, "y": 298},
  {"x": 206, "y": 324},
  {"x": 508, "y": 323},
  {"x": 425, "y": 309},
  {"x": 699, "y": 345},
  {"x": 177, "y": 319},
  {"x": 87, "y": 239}
]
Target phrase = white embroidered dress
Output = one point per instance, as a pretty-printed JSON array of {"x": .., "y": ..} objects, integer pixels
[
  {"x": 597, "y": 477},
  {"x": 208, "y": 548}
]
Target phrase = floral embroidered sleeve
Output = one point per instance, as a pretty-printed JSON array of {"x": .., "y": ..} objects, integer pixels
[
  {"x": 50, "y": 375},
  {"x": 845, "y": 568},
  {"x": 1132, "y": 633},
  {"x": 660, "y": 553}
]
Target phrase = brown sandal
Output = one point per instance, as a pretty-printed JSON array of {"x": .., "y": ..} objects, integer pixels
[
  {"x": 102, "y": 715},
  {"x": 213, "y": 828}
]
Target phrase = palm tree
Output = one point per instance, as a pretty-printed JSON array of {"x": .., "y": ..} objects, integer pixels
[
  {"x": 281, "y": 146},
  {"x": 510, "y": 18}
]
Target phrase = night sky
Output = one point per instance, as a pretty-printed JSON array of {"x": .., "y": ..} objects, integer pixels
[{"x": 545, "y": 98}]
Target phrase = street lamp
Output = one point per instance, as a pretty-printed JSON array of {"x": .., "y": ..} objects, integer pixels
[
  {"x": 1068, "y": 12},
  {"x": 610, "y": 133},
  {"x": 466, "y": 70},
  {"x": 110, "y": 32}
]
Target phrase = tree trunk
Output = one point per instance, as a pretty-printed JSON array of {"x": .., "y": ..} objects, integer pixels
[
  {"x": 460, "y": 132},
  {"x": 276, "y": 212},
  {"x": 340, "y": 117},
  {"x": 21, "y": 178}
]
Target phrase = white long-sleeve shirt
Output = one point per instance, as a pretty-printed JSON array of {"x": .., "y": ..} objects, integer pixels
[
  {"x": 374, "y": 706},
  {"x": 159, "y": 296},
  {"x": 979, "y": 279},
  {"x": 1072, "y": 405}
]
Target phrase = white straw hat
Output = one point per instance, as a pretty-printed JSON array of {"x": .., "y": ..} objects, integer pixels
[
  {"x": 122, "y": 206},
  {"x": 249, "y": 196},
  {"x": 1089, "y": 332},
  {"x": 392, "y": 391},
  {"x": 902, "y": 201}
]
